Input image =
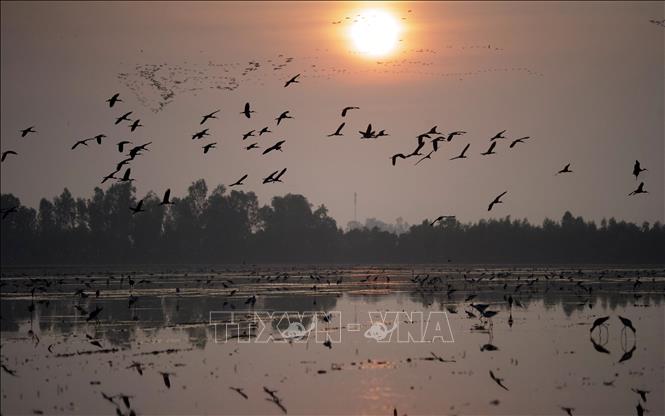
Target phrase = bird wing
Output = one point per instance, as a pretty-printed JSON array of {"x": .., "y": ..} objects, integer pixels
[{"x": 167, "y": 195}]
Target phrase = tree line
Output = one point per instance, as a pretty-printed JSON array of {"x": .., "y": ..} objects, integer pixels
[{"x": 231, "y": 227}]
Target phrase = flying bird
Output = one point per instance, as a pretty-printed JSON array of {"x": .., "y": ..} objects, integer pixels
[
  {"x": 497, "y": 200},
  {"x": 338, "y": 132},
  {"x": 435, "y": 142},
  {"x": 396, "y": 156},
  {"x": 453, "y": 134},
  {"x": 490, "y": 150},
  {"x": 293, "y": 80},
  {"x": 239, "y": 391},
  {"x": 136, "y": 124},
  {"x": 138, "y": 208},
  {"x": 248, "y": 134},
  {"x": 252, "y": 146},
  {"x": 99, "y": 138},
  {"x": 125, "y": 177},
  {"x": 80, "y": 142},
  {"x": 209, "y": 116},
  {"x": 441, "y": 218},
  {"x": 165, "y": 199},
  {"x": 124, "y": 117},
  {"x": 264, "y": 130},
  {"x": 367, "y": 134},
  {"x": 347, "y": 109},
  {"x": 639, "y": 190},
  {"x": 208, "y": 147},
  {"x": 462, "y": 155},
  {"x": 6, "y": 153},
  {"x": 272, "y": 178},
  {"x": 200, "y": 134},
  {"x": 247, "y": 112},
  {"x": 114, "y": 99},
  {"x": 497, "y": 380},
  {"x": 637, "y": 169},
  {"x": 499, "y": 135},
  {"x": 282, "y": 116},
  {"x": 239, "y": 181},
  {"x": 276, "y": 146},
  {"x": 427, "y": 156},
  {"x": 121, "y": 145},
  {"x": 27, "y": 131},
  {"x": 520, "y": 140},
  {"x": 566, "y": 169}
]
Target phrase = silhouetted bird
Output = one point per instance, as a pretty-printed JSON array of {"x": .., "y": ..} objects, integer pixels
[
  {"x": 208, "y": 147},
  {"x": 440, "y": 218},
  {"x": 247, "y": 112},
  {"x": 165, "y": 199},
  {"x": 125, "y": 177},
  {"x": 200, "y": 134},
  {"x": 6, "y": 153},
  {"x": 282, "y": 116},
  {"x": 138, "y": 208},
  {"x": 121, "y": 145},
  {"x": 463, "y": 154},
  {"x": 490, "y": 150},
  {"x": 264, "y": 130},
  {"x": 122, "y": 163},
  {"x": 381, "y": 133},
  {"x": 627, "y": 323},
  {"x": 209, "y": 116},
  {"x": 276, "y": 146},
  {"x": 275, "y": 176},
  {"x": 124, "y": 117},
  {"x": 435, "y": 142},
  {"x": 136, "y": 124},
  {"x": 598, "y": 322},
  {"x": 367, "y": 134},
  {"x": 239, "y": 391},
  {"x": 566, "y": 169},
  {"x": 27, "y": 131},
  {"x": 427, "y": 156},
  {"x": 114, "y": 99},
  {"x": 99, "y": 138},
  {"x": 338, "y": 132},
  {"x": 497, "y": 380},
  {"x": 639, "y": 190},
  {"x": 293, "y": 80},
  {"x": 395, "y": 157},
  {"x": 453, "y": 134},
  {"x": 497, "y": 200},
  {"x": 420, "y": 145},
  {"x": 80, "y": 142},
  {"x": 499, "y": 135},
  {"x": 347, "y": 109},
  {"x": 252, "y": 146},
  {"x": 433, "y": 131},
  {"x": 109, "y": 176},
  {"x": 637, "y": 169},
  {"x": 520, "y": 140},
  {"x": 239, "y": 181},
  {"x": 248, "y": 134}
]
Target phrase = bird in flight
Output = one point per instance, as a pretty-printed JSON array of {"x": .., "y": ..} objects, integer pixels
[
  {"x": 165, "y": 199},
  {"x": 441, "y": 218},
  {"x": 239, "y": 181},
  {"x": 497, "y": 380},
  {"x": 433, "y": 131},
  {"x": 427, "y": 156},
  {"x": 125, "y": 177},
  {"x": 252, "y": 146},
  {"x": 639, "y": 190},
  {"x": 121, "y": 145},
  {"x": 283, "y": 116},
  {"x": 368, "y": 134},
  {"x": 114, "y": 99},
  {"x": 200, "y": 134},
  {"x": 347, "y": 109},
  {"x": 99, "y": 138},
  {"x": 499, "y": 135},
  {"x": 275, "y": 176},
  {"x": 136, "y": 124},
  {"x": 138, "y": 208},
  {"x": 338, "y": 132},
  {"x": 248, "y": 134},
  {"x": 83, "y": 142},
  {"x": 381, "y": 133},
  {"x": 6, "y": 153},
  {"x": 435, "y": 142},
  {"x": 209, "y": 116},
  {"x": 208, "y": 147},
  {"x": 247, "y": 112},
  {"x": 239, "y": 391},
  {"x": 276, "y": 146},
  {"x": 27, "y": 131},
  {"x": 293, "y": 80},
  {"x": 520, "y": 140},
  {"x": 264, "y": 130},
  {"x": 462, "y": 155},
  {"x": 396, "y": 156},
  {"x": 455, "y": 133},
  {"x": 637, "y": 169},
  {"x": 490, "y": 150},
  {"x": 124, "y": 117},
  {"x": 109, "y": 176},
  {"x": 497, "y": 200},
  {"x": 566, "y": 169}
]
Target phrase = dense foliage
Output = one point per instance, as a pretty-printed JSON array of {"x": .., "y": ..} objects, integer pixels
[{"x": 221, "y": 227}]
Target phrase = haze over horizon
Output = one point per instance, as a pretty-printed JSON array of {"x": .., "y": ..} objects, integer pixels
[{"x": 585, "y": 81}]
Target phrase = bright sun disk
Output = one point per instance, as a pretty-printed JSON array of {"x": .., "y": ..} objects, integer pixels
[{"x": 375, "y": 32}]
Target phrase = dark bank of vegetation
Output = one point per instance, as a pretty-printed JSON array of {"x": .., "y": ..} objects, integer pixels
[{"x": 223, "y": 227}]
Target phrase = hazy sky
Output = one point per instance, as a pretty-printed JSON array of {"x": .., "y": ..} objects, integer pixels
[{"x": 584, "y": 80}]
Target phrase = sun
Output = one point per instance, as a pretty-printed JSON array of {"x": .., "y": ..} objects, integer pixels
[{"x": 375, "y": 32}]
